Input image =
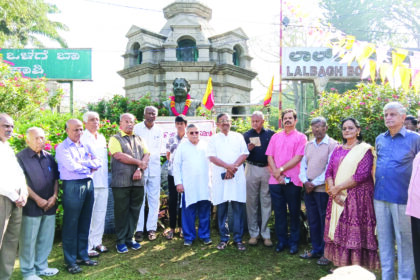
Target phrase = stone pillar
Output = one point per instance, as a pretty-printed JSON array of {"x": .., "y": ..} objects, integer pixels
[
  {"x": 203, "y": 53},
  {"x": 147, "y": 54},
  {"x": 170, "y": 52}
]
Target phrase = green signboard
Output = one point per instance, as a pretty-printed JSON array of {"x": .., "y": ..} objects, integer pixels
[{"x": 54, "y": 64}]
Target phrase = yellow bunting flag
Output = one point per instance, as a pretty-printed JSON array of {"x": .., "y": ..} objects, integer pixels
[
  {"x": 367, "y": 51},
  {"x": 372, "y": 70},
  {"x": 383, "y": 69},
  {"x": 398, "y": 56},
  {"x": 405, "y": 75}
]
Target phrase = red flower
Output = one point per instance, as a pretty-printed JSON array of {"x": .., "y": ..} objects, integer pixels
[
  {"x": 362, "y": 103},
  {"x": 47, "y": 146},
  {"x": 347, "y": 107}
]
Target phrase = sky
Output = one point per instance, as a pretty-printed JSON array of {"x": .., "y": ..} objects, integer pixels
[{"x": 103, "y": 24}]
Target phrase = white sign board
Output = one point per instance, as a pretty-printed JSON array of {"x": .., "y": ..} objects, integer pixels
[
  {"x": 206, "y": 127},
  {"x": 315, "y": 62}
]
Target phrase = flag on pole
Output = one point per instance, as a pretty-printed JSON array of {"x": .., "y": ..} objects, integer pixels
[
  {"x": 208, "y": 98},
  {"x": 267, "y": 98}
]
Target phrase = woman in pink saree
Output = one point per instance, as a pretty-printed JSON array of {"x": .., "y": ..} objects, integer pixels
[{"x": 350, "y": 222}]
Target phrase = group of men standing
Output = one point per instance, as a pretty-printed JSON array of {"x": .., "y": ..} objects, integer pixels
[{"x": 277, "y": 166}]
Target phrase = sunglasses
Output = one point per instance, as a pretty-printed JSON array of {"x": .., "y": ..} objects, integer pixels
[{"x": 193, "y": 132}]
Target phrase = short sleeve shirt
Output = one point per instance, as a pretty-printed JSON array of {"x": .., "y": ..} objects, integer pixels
[
  {"x": 283, "y": 147},
  {"x": 171, "y": 147}
]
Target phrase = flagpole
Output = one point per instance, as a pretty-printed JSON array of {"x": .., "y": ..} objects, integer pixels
[{"x": 281, "y": 64}]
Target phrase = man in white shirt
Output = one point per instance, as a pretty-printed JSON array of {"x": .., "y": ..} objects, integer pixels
[
  {"x": 152, "y": 135},
  {"x": 13, "y": 196},
  {"x": 227, "y": 151},
  {"x": 191, "y": 175},
  {"x": 97, "y": 142}
]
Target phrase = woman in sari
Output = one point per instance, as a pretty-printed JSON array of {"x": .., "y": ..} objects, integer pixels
[{"x": 350, "y": 221}]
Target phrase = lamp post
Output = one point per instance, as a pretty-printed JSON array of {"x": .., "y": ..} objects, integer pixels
[{"x": 281, "y": 63}]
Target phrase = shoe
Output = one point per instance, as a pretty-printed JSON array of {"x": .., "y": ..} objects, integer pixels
[
  {"x": 122, "y": 248},
  {"x": 310, "y": 255},
  {"x": 93, "y": 254},
  {"x": 101, "y": 249},
  {"x": 181, "y": 233},
  {"x": 152, "y": 235},
  {"x": 32, "y": 277},
  {"x": 253, "y": 241},
  {"x": 48, "y": 272},
  {"x": 280, "y": 247},
  {"x": 187, "y": 243},
  {"x": 293, "y": 250},
  {"x": 240, "y": 246},
  {"x": 138, "y": 236},
  {"x": 133, "y": 245},
  {"x": 267, "y": 242},
  {"x": 207, "y": 241},
  {"x": 87, "y": 262},
  {"x": 73, "y": 269}
]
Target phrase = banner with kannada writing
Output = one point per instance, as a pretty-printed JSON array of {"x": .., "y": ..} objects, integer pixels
[{"x": 53, "y": 64}]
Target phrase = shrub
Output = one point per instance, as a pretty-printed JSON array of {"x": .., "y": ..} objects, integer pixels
[{"x": 365, "y": 104}]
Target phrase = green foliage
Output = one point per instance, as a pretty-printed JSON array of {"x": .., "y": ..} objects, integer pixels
[
  {"x": 19, "y": 96},
  {"x": 364, "y": 104},
  {"x": 113, "y": 108},
  {"x": 22, "y": 22},
  {"x": 376, "y": 20}
]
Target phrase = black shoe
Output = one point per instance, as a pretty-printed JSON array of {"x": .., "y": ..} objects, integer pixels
[
  {"x": 138, "y": 236},
  {"x": 280, "y": 247},
  {"x": 293, "y": 250}
]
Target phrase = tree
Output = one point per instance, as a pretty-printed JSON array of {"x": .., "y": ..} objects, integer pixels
[
  {"x": 24, "y": 22},
  {"x": 375, "y": 20}
]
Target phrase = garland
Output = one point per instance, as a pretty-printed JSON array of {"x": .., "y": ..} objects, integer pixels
[{"x": 186, "y": 107}]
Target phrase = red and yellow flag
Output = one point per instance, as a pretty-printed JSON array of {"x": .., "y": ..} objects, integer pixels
[
  {"x": 267, "y": 98},
  {"x": 208, "y": 98}
]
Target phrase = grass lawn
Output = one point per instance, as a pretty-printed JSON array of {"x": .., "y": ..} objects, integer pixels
[{"x": 162, "y": 259}]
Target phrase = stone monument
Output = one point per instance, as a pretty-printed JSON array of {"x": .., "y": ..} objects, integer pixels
[{"x": 181, "y": 102}]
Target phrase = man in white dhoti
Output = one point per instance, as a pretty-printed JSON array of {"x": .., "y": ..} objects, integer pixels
[
  {"x": 227, "y": 151},
  {"x": 191, "y": 174}
]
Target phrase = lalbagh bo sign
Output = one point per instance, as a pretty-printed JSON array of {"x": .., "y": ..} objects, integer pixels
[
  {"x": 53, "y": 64},
  {"x": 309, "y": 63}
]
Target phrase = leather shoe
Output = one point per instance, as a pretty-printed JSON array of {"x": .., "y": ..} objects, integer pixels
[
  {"x": 280, "y": 247},
  {"x": 268, "y": 243},
  {"x": 138, "y": 236},
  {"x": 253, "y": 241},
  {"x": 293, "y": 250}
]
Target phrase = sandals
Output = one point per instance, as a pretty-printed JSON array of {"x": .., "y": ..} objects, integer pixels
[
  {"x": 73, "y": 269},
  {"x": 152, "y": 235},
  {"x": 101, "y": 249},
  {"x": 240, "y": 246},
  {"x": 87, "y": 262},
  {"x": 221, "y": 246},
  {"x": 309, "y": 255},
  {"x": 93, "y": 254},
  {"x": 322, "y": 261},
  {"x": 169, "y": 234}
]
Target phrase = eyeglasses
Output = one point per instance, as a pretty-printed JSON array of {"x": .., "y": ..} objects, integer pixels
[
  {"x": 193, "y": 132},
  {"x": 224, "y": 121}
]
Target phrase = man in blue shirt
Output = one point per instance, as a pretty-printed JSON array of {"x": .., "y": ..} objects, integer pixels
[{"x": 396, "y": 149}]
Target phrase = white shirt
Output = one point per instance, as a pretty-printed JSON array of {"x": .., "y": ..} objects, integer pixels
[
  {"x": 227, "y": 148},
  {"x": 153, "y": 138},
  {"x": 191, "y": 169},
  {"x": 98, "y": 146},
  {"x": 13, "y": 180}
]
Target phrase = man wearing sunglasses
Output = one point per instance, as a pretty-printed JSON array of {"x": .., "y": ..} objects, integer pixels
[{"x": 191, "y": 174}]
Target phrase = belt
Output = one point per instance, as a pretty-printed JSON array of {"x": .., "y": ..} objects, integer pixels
[{"x": 259, "y": 164}]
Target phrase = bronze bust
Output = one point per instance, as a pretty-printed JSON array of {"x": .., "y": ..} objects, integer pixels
[{"x": 181, "y": 89}]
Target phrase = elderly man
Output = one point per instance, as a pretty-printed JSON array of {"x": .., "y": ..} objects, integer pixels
[
  {"x": 38, "y": 221},
  {"x": 227, "y": 151},
  {"x": 257, "y": 175},
  {"x": 13, "y": 196},
  {"x": 129, "y": 160},
  {"x": 312, "y": 174},
  {"x": 396, "y": 149},
  {"x": 76, "y": 164},
  {"x": 174, "y": 196},
  {"x": 152, "y": 135},
  {"x": 97, "y": 142},
  {"x": 285, "y": 152},
  {"x": 191, "y": 172}
]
